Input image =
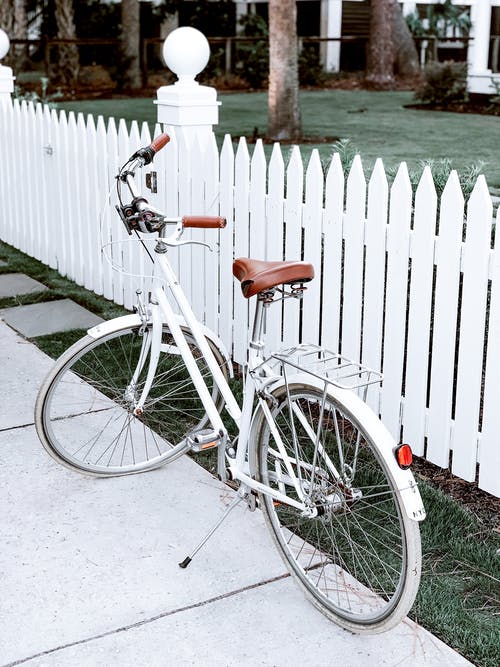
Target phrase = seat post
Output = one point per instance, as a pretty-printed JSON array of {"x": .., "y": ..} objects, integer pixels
[{"x": 264, "y": 300}]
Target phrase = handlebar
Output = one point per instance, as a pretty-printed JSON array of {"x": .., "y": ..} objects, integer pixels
[
  {"x": 203, "y": 222},
  {"x": 139, "y": 214},
  {"x": 147, "y": 153}
]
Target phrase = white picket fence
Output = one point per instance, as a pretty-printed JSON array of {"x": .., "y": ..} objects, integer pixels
[{"x": 397, "y": 286}]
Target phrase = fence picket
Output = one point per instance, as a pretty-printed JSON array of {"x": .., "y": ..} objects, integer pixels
[
  {"x": 104, "y": 209},
  {"x": 93, "y": 204},
  {"x": 275, "y": 236},
  {"x": 419, "y": 317},
  {"x": 7, "y": 134},
  {"x": 210, "y": 160},
  {"x": 184, "y": 164},
  {"x": 447, "y": 260},
  {"x": 41, "y": 195},
  {"x": 64, "y": 243},
  {"x": 293, "y": 239},
  {"x": 226, "y": 243},
  {"x": 51, "y": 188},
  {"x": 168, "y": 183},
  {"x": 112, "y": 226},
  {"x": 86, "y": 190},
  {"x": 475, "y": 265},
  {"x": 22, "y": 228},
  {"x": 198, "y": 253},
  {"x": 57, "y": 239},
  {"x": 312, "y": 223},
  {"x": 398, "y": 241},
  {"x": 353, "y": 260},
  {"x": 241, "y": 244},
  {"x": 144, "y": 262},
  {"x": 332, "y": 255},
  {"x": 373, "y": 310},
  {"x": 73, "y": 203},
  {"x": 31, "y": 147},
  {"x": 489, "y": 479},
  {"x": 257, "y": 197},
  {"x": 128, "y": 244}
]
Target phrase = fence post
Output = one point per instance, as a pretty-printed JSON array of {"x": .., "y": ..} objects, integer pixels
[
  {"x": 6, "y": 78},
  {"x": 189, "y": 107}
]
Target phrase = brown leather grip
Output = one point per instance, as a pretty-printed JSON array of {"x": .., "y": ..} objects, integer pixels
[
  {"x": 204, "y": 221},
  {"x": 159, "y": 142}
]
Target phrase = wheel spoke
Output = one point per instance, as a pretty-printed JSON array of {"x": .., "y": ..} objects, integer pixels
[
  {"x": 352, "y": 556},
  {"x": 87, "y": 412}
]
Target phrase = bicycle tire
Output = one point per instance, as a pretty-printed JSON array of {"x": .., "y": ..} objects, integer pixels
[
  {"x": 84, "y": 419},
  {"x": 359, "y": 560}
]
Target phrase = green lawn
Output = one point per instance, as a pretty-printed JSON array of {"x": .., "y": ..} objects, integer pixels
[{"x": 376, "y": 122}]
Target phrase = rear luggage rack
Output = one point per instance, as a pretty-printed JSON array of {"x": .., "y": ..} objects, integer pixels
[{"x": 325, "y": 365}]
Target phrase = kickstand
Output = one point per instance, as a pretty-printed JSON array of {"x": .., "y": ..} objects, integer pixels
[{"x": 239, "y": 497}]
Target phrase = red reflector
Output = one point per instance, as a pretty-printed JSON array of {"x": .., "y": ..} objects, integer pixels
[{"x": 404, "y": 456}]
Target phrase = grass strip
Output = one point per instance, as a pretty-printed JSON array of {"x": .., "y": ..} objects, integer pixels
[
  {"x": 377, "y": 122},
  {"x": 459, "y": 596}
]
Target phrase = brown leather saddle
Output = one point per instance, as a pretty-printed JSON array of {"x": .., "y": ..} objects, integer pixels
[{"x": 257, "y": 276}]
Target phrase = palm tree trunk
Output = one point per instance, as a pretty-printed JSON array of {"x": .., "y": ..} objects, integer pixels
[
  {"x": 131, "y": 39},
  {"x": 407, "y": 62},
  {"x": 380, "y": 55},
  {"x": 69, "y": 62},
  {"x": 21, "y": 32},
  {"x": 284, "y": 109}
]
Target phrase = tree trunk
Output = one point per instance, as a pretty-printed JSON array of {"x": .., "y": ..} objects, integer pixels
[
  {"x": 131, "y": 42},
  {"x": 406, "y": 55},
  {"x": 380, "y": 52},
  {"x": 284, "y": 108},
  {"x": 66, "y": 70},
  {"x": 21, "y": 32}
]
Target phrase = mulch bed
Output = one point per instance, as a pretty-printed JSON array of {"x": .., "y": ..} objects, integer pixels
[
  {"x": 483, "y": 505},
  {"x": 485, "y": 108}
]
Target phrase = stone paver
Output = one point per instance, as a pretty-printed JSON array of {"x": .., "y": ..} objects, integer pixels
[
  {"x": 40, "y": 319},
  {"x": 13, "y": 284}
]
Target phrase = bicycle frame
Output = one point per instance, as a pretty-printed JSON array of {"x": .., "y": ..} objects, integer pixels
[
  {"x": 259, "y": 378},
  {"x": 162, "y": 311}
]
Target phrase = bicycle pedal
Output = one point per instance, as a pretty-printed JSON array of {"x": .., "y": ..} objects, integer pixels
[{"x": 201, "y": 441}]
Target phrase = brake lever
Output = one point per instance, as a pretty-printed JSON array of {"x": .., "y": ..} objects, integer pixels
[{"x": 177, "y": 242}]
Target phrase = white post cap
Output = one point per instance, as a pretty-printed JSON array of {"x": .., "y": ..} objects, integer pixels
[
  {"x": 186, "y": 52},
  {"x": 186, "y": 103},
  {"x": 4, "y": 44},
  {"x": 6, "y": 78}
]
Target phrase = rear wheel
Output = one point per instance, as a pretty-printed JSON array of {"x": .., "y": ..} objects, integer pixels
[
  {"x": 359, "y": 558},
  {"x": 84, "y": 416}
]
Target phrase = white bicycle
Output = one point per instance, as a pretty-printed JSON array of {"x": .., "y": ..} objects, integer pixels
[{"x": 335, "y": 489}]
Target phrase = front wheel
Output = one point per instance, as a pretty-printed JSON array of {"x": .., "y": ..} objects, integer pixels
[
  {"x": 84, "y": 410},
  {"x": 359, "y": 557}
]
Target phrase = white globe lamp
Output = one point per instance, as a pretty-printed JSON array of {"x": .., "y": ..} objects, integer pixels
[
  {"x": 186, "y": 52},
  {"x": 187, "y": 106},
  {"x": 4, "y": 44}
]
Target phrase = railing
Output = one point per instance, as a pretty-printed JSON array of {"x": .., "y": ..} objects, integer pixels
[{"x": 427, "y": 45}]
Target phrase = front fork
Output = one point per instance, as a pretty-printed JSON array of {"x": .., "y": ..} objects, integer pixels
[{"x": 151, "y": 346}]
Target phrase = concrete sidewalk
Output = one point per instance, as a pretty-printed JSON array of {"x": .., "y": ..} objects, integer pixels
[{"x": 89, "y": 570}]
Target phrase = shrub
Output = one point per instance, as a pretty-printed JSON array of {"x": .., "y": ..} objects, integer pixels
[
  {"x": 229, "y": 82},
  {"x": 311, "y": 72},
  {"x": 252, "y": 58},
  {"x": 443, "y": 84}
]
